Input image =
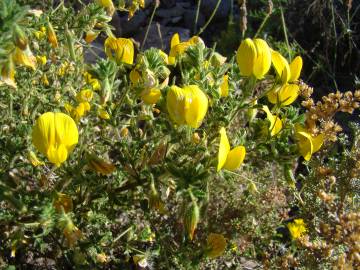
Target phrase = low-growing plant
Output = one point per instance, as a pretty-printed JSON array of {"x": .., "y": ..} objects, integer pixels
[{"x": 149, "y": 160}]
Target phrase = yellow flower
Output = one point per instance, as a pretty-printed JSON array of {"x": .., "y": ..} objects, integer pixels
[
  {"x": 216, "y": 244},
  {"x": 120, "y": 49},
  {"x": 90, "y": 36},
  {"x": 80, "y": 110},
  {"x": 7, "y": 75},
  {"x": 178, "y": 48},
  {"x": 187, "y": 105},
  {"x": 284, "y": 94},
  {"x": 229, "y": 159},
  {"x": 34, "y": 159},
  {"x": 297, "y": 228},
  {"x": 85, "y": 95},
  {"x": 307, "y": 143},
  {"x": 150, "y": 96},
  {"x": 287, "y": 92},
  {"x": 135, "y": 76},
  {"x": 108, "y": 5},
  {"x": 275, "y": 122},
  {"x": 63, "y": 69},
  {"x": 24, "y": 58},
  {"x": 254, "y": 58},
  {"x": 287, "y": 73},
  {"x": 51, "y": 36},
  {"x": 55, "y": 136},
  {"x": 103, "y": 114},
  {"x": 41, "y": 59},
  {"x": 224, "y": 87}
]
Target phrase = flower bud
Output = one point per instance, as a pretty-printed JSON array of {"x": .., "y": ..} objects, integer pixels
[
  {"x": 51, "y": 36},
  {"x": 34, "y": 160},
  {"x": 91, "y": 36},
  {"x": 196, "y": 138},
  {"x": 20, "y": 38},
  {"x": 191, "y": 219}
]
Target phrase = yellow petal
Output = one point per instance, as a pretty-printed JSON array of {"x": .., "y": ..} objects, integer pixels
[
  {"x": 91, "y": 36},
  {"x": 57, "y": 155},
  {"x": 275, "y": 122},
  {"x": 175, "y": 40},
  {"x": 24, "y": 58},
  {"x": 235, "y": 158},
  {"x": 246, "y": 56},
  {"x": 120, "y": 49},
  {"x": 224, "y": 149},
  {"x": 103, "y": 114},
  {"x": 288, "y": 94},
  {"x": 304, "y": 142},
  {"x": 53, "y": 130},
  {"x": 263, "y": 60},
  {"x": 295, "y": 68},
  {"x": 281, "y": 66},
  {"x": 273, "y": 95},
  {"x": 7, "y": 75},
  {"x": 85, "y": 95},
  {"x": 134, "y": 76},
  {"x": 196, "y": 105},
  {"x": 196, "y": 40},
  {"x": 175, "y": 103},
  {"x": 224, "y": 87},
  {"x": 151, "y": 96},
  {"x": 317, "y": 142}
]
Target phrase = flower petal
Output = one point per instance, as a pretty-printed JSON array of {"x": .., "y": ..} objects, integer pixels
[
  {"x": 235, "y": 158},
  {"x": 175, "y": 103},
  {"x": 246, "y": 56},
  {"x": 295, "y": 68},
  {"x": 196, "y": 105},
  {"x": 224, "y": 149},
  {"x": 263, "y": 60},
  {"x": 288, "y": 94},
  {"x": 281, "y": 66}
]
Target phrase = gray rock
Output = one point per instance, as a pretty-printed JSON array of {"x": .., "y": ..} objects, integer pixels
[
  {"x": 175, "y": 11},
  {"x": 97, "y": 50},
  {"x": 223, "y": 11},
  {"x": 134, "y": 24},
  {"x": 189, "y": 19},
  {"x": 168, "y": 3}
]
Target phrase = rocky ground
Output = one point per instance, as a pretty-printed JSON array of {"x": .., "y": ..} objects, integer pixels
[{"x": 172, "y": 16}]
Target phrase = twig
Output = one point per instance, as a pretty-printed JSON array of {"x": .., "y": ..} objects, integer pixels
[
  {"x": 202, "y": 29},
  {"x": 148, "y": 27},
  {"x": 285, "y": 32},
  {"x": 197, "y": 16}
]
